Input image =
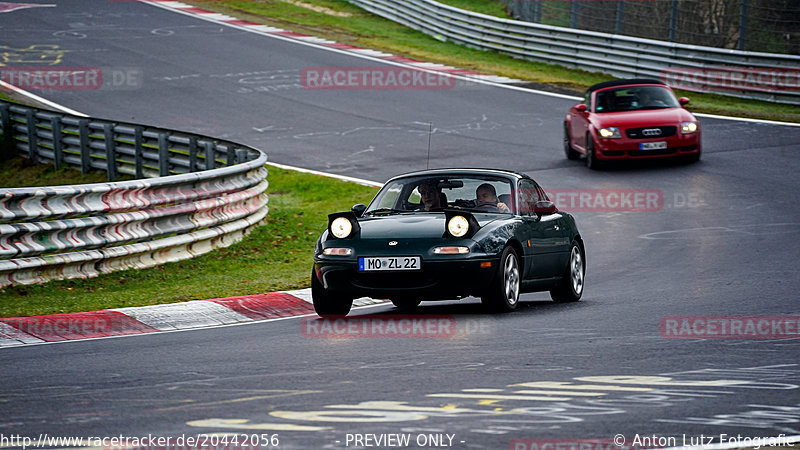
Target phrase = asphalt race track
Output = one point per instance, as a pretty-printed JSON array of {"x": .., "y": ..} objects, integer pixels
[{"x": 720, "y": 239}]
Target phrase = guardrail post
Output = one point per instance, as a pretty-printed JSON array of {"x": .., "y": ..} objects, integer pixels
[
  {"x": 73, "y": 231},
  {"x": 575, "y": 10},
  {"x": 742, "y": 25},
  {"x": 33, "y": 139},
  {"x": 673, "y": 21},
  {"x": 192, "y": 154},
  {"x": 111, "y": 151},
  {"x": 230, "y": 157},
  {"x": 627, "y": 56},
  {"x": 209, "y": 155},
  {"x": 7, "y": 150},
  {"x": 163, "y": 154},
  {"x": 58, "y": 146},
  {"x": 241, "y": 155},
  {"x": 138, "y": 152},
  {"x": 620, "y": 14},
  {"x": 86, "y": 151}
]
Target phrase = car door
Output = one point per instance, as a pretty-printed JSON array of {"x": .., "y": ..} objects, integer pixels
[
  {"x": 579, "y": 123},
  {"x": 561, "y": 239},
  {"x": 540, "y": 237}
]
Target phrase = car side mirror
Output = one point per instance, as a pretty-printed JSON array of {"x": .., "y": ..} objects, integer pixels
[
  {"x": 580, "y": 108},
  {"x": 358, "y": 209},
  {"x": 683, "y": 101},
  {"x": 544, "y": 207}
]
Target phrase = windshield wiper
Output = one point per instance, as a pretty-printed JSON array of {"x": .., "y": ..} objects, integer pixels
[{"x": 384, "y": 211}]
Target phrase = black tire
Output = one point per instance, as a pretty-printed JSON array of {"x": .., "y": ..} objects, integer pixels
[
  {"x": 327, "y": 304},
  {"x": 503, "y": 294},
  {"x": 591, "y": 157},
  {"x": 571, "y": 286},
  {"x": 572, "y": 155},
  {"x": 406, "y": 304}
]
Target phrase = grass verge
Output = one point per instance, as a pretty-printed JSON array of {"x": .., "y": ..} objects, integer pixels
[
  {"x": 275, "y": 256},
  {"x": 343, "y": 22},
  {"x": 19, "y": 172}
]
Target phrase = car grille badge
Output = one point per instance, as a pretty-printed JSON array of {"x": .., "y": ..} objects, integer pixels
[{"x": 392, "y": 243}]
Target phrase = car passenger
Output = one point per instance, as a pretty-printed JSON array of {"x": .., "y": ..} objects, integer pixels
[
  {"x": 486, "y": 196},
  {"x": 651, "y": 98},
  {"x": 431, "y": 194}
]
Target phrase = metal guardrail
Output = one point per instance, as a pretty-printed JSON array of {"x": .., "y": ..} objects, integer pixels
[
  {"x": 208, "y": 194},
  {"x": 688, "y": 66}
]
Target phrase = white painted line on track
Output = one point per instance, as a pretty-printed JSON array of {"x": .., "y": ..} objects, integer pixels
[
  {"x": 208, "y": 321},
  {"x": 35, "y": 97},
  {"x": 64, "y": 109},
  {"x": 360, "y": 53},
  {"x": 365, "y": 54},
  {"x": 747, "y": 119},
  {"x": 329, "y": 175}
]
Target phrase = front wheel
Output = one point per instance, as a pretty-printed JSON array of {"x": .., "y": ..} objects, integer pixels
[
  {"x": 572, "y": 155},
  {"x": 570, "y": 288},
  {"x": 328, "y": 304},
  {"x": 503, "y": 294},
  {"x": 591, "y": 154}
]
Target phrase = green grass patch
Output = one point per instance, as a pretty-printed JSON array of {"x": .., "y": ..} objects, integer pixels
[
  {"x": 19, "y": 172},
  {"x": 343, "y": 22},
  {"x": 276, "y": 256},
  {"x": 494, "y": 8}
]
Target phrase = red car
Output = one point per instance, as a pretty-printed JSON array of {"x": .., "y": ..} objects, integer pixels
[{"x": 628, "y": 120}]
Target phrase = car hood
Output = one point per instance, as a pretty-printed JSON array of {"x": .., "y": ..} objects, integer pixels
[
  {"x": 416, "y": 225},
  {"x": 645, "y": 118}
]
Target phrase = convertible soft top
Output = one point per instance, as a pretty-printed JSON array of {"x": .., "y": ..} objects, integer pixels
[{"x": 612, "y": 83}]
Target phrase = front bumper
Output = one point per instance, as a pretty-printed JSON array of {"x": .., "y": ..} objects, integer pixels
[
  {"x": 628, "y": 149},
  {"x": 440, "y": 279}
]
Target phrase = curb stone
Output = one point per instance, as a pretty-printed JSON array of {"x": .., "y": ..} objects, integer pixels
[
  {"x": 194, "y": 314},
  {"x": 346, "y": 48}
]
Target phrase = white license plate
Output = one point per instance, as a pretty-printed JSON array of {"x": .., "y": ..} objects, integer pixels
[
  {"x": 653, "y": 145},
  {"x": 388, "y": 263}
]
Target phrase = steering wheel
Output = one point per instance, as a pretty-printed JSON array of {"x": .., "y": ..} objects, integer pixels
[{"x": 486, "y": 205}]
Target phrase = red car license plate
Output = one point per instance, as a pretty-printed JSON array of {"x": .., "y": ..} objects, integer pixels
[{"x": 653, "y": 145}]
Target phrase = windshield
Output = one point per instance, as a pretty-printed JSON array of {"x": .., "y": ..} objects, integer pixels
[
  {"x": 634, "y": 98},
  {"x": 470, "y": 192}
]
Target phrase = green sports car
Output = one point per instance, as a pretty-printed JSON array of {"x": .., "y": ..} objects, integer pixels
[{"x": 448, "y": 234}]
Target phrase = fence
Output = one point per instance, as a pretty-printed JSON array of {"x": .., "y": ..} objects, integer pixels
[
  {"x": 754, "y": 25},
  {"x": 765, "y": 76},
  {"x": 208, "y": 194}
]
